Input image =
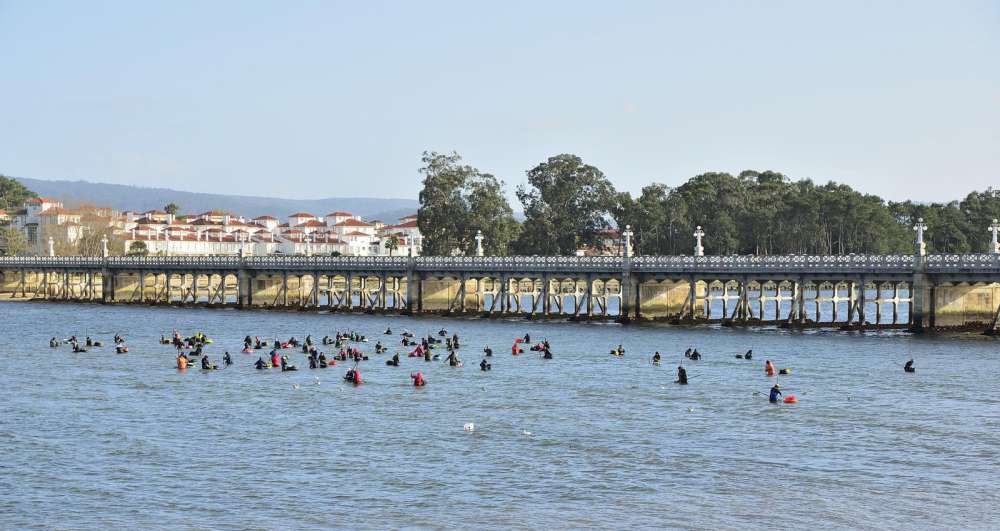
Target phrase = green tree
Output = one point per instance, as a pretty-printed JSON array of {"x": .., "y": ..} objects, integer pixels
[
  {"x": 138, "y": 248},
  {"x": 13, "y": 193},
  {"x": 567, "y": 204},
  {"x": 456, "y": 201},
  {"x": 12, "y": 241},
  {"x": 391, "y": 243},
  {"x": 171, "y": 208}
]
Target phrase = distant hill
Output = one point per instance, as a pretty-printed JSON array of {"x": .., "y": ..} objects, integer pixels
[{"x": 138, "y": 198}]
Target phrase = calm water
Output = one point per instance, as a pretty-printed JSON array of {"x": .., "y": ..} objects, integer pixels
[{"x": 584, "y": 440}]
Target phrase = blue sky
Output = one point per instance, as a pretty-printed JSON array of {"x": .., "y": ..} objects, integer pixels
[{"x": 317, "y": 99}]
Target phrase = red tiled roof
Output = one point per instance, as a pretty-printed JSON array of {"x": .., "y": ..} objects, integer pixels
[
  {"x": 58, "y": 212},
  {"x": 312, "y": 223},
  {"x": 265, "y": 218},
  {"x": 217, "y": 213},
  {"x": 339, "y": 213},
  {"x": 352, "y": 223},
  {"x": 356, "y": 233},
  {"x": 201, "y": 222},
  {"x": 302, "y": 215},
  {"x": 40, "y": 200}
]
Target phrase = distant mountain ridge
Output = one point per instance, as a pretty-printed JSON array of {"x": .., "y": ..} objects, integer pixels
[{"x": 125, "y": 197}]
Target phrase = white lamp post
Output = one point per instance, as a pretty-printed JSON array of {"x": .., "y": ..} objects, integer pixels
[{"x": 920, "y": 247}]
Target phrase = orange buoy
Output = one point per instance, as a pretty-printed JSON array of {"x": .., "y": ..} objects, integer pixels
[{"x": 790, "y": 399}]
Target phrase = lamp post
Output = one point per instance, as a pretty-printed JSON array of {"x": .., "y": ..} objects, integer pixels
[
  {"x": 104, "y": 246},
  {"x": 920, "y": 248},
  {"x": 52, "y": 246},
  {"x": 698, "y": 234},
  {"x": 479, "y": 242},
  {"x": 994, "y": 228},
  {"x": 627, "y": 241}
]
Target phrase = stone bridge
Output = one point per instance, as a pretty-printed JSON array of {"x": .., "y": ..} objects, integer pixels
[{"x": 854, "y": 291}]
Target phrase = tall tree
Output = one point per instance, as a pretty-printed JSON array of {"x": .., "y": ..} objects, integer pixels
[
  {"x": 12, "y": 241},
  {"x": 458, "y": 200},
  {"x": 566, "y": 205},
  {"x": 171, "y": 208},
  {"x": 13, "y": 193}
]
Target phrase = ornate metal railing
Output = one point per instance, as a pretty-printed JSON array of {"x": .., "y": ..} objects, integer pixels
[
  {"x": 941, "y": 263},
  {"x": 783, "y": 264},
  {"x": 520, "y": 263},
  {"x": 938, "y": 263}
]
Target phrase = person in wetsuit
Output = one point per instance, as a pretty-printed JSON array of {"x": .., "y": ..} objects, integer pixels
[
  {"x": 322, "y": 360},
  {"x": 488, "y": 351},
  {"x": 260, "y": 364},
  {"x": 695, "y": 355},
  {"x": 227, "y": 360},
  {"x": 656, "y": 357},
  {"x": 483, "y": 366},
  {"x": 394, "y": 362},
  {"x": 682, "y": 376},
  {"x": 453, "y": 359},
  {"x": 418, "y": 379},
  {"x": 285, "y": 366},
  {"x": 909, "y": 367},
  {"x": 748, "y": 355},
  {"x": 775, "y": 393},
  {"x": 206, "y": 365}
]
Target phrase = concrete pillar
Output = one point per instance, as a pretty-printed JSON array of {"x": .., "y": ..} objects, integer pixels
[
  {"x": 546, "y": 292},
  {"x": 692, "y": 298},
  {"x": 800, "y": 297},
  {"x": 862, "y": 299},
  {"x": 744, "y": 307},
  {"x": 284, "y": 288},
  {"x": 590, "y": 295},
  {"x": 895, "y": 303}
]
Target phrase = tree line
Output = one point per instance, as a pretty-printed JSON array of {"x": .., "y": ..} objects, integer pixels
[{"x": 569, "y": 205}]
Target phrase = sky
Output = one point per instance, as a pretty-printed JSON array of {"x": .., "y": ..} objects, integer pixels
[{"x": 302, "y": 99}]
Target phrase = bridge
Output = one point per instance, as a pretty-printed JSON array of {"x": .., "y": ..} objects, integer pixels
[{"x": 915, "y": 292}]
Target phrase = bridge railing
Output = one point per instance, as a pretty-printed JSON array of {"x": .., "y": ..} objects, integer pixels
[
  {"x": 394, "y": 263},
  {"x": 519, "y": 263},
  {"x": 938, "y": 263},
  {"x": 51, "y": 261},
  {"x": 777, "y": 263}
]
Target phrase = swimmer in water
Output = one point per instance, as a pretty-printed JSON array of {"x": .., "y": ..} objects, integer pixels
[
  {"x": 909, "y": 366},
  {"x": 775, "y": 393},
  {"x": 483, "y": 366},
  {"x": 682, "y": 376},
  {"x": 656, "y": 357},
  {"x": 227, "y": 360}
]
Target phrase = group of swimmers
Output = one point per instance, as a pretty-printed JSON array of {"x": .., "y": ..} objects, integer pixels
[{"x": 119, "y": 342}]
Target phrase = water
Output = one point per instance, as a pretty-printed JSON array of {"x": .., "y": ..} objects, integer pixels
[{"x": 101, "y": 440}]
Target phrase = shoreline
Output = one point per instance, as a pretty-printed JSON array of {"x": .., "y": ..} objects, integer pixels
[{"x": 664, "y": 323}]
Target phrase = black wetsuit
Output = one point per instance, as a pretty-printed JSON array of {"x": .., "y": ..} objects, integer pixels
[{"x": 682, "y": 376}]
